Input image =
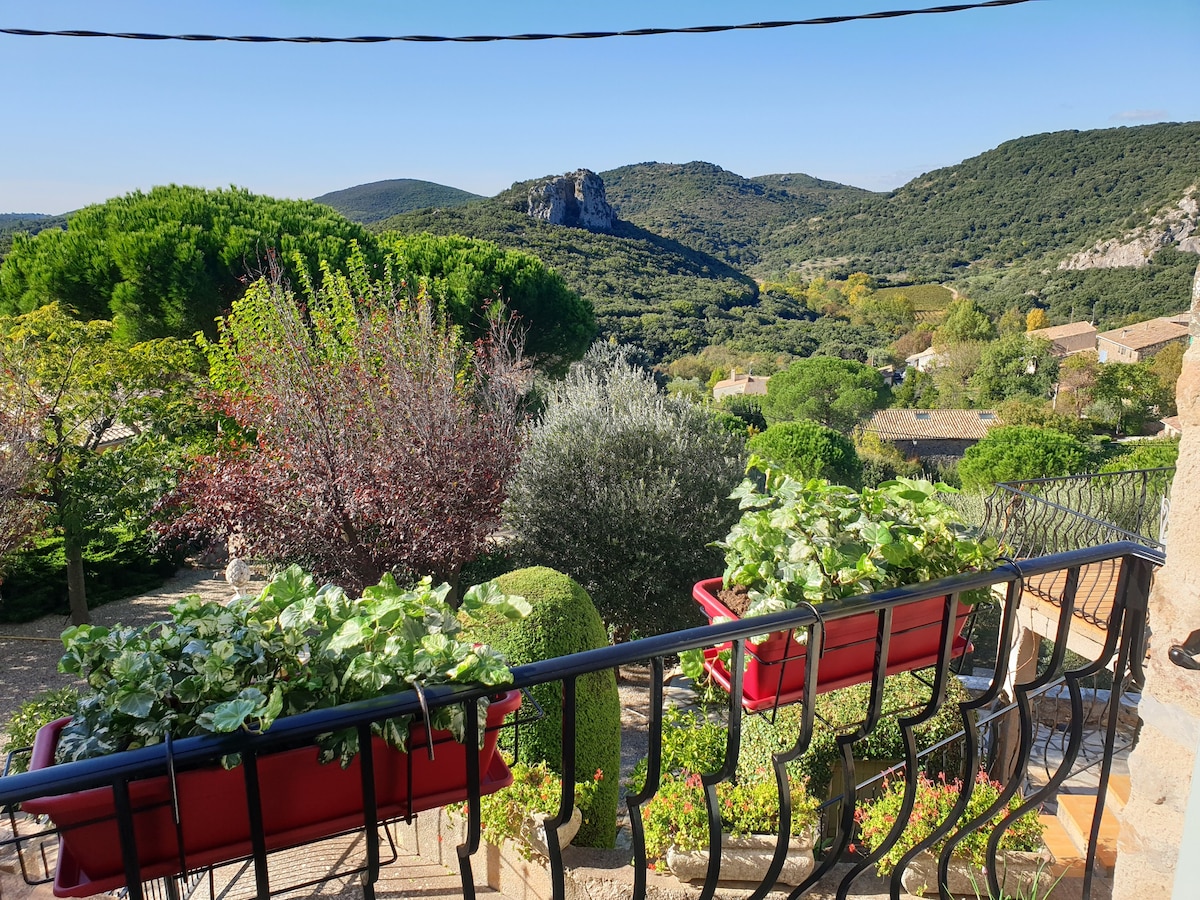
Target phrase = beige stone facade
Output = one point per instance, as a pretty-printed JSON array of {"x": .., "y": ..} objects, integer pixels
[{"x": 1162, "y": 763}]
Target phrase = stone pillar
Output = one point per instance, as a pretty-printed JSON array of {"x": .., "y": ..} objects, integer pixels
[
  {"x": 1022, "y": 669},
  {"x": 1161, "y": 765}
]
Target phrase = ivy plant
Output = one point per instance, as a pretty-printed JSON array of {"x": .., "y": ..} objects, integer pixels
[
  {"x": 817, "y": 542},
  {"x": 294, "y": 648},
  {"x": 820, "y": 543}
]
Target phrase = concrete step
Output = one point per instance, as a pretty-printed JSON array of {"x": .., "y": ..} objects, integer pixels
[{"x": 1075, "y": 814}]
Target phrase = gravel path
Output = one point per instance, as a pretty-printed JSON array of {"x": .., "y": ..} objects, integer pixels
[{"x": 29, "y": 651}]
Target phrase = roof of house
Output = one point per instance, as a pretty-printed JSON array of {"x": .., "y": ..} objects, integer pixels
[
  {"x": 1058, "y": 332},
  {"x": 928, "y": 353},
  {"x": 1145, "y": 334},
  {"x": 933, "y": 424}
]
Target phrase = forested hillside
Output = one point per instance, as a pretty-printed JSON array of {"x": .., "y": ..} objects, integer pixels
[
  {"x": 715, "y": 211},
  {"x": 1032, "y": 200},
  {"x": 646, "y": 289},
  {"x": 380, "y": 199},
  {"x": 29, "y": 223}
]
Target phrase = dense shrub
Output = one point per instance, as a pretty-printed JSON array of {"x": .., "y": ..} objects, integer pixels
[
  {"x": 116, "y": 565},
  {"x": 1145, "y": 455},
  {"x": 370, "y": 435},
  {"x": 623, "y": 489},
  {"x": 1018, "y": 452},
  {"x": 22, "y": 727},
  {"x": 746, "y": 407},
  {"x": 837, "y": 710},
  {"x": 564, "y": 621},
  {"x": 807, "y": 450}
]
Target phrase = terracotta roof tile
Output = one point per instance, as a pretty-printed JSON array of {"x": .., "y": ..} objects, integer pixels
[
  {"x": 933, "y": 424},
  {"x": 1146, "y": 334}
]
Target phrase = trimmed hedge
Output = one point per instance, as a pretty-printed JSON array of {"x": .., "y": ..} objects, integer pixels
[
  {"x": 564, "y": 620},
  {"x": 35, "y": 580},
  {"x": 807, "y": 450}
]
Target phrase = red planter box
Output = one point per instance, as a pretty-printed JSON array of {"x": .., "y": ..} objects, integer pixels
[
  {"x": 302, "y": 801},
  {"x": 775, "y": 667}
]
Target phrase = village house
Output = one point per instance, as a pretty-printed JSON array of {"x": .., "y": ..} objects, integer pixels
[
  {"x": 925, "y": 360},
  {"x": 932, "y": 432},
  {"x": 1065, "y": 340},
  {"x": 1141, "y": 341},
  {"x": 740, "y": 383}
]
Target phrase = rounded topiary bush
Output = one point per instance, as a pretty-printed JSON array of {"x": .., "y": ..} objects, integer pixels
[
  {"x": 564, "y": 620},
  {"x": 807, "y": 450}
]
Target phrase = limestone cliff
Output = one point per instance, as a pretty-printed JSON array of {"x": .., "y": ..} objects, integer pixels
[
  {"x": 1177, "y": 224},
  {"x": 576, "y": 199}
]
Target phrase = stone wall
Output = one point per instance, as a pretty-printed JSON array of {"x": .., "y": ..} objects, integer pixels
[{"x": 1161, "y": 765}]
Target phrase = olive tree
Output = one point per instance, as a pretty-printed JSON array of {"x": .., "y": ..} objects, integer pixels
[{"x": 623, "y": 489}]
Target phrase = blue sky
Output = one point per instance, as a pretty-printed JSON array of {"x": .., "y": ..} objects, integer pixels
[{"x": 867, "y": 103}]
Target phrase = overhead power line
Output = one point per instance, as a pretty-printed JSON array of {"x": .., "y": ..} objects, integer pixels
[{"x": 493, "y": 38}]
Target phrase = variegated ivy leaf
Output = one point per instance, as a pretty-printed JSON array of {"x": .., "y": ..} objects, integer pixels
[
  {"x": 228, "y": 716},
  {"x": 353, "y": 633},
  {"x": 489, "y": 598},
  {"x": 136, "y": 703}
]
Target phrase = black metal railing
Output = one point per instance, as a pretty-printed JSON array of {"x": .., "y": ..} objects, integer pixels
[
  {"x": 1000, "y": 730},
  {"x": 1052, "y": 515}
]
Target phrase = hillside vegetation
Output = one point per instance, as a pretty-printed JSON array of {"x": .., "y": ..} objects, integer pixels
[
  {"x": 646, "y": 289},
  {"x": 378, "y": 200}
]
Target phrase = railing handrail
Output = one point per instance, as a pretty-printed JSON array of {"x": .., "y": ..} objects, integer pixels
[
  {"x": 153, "y": 760},
  {"x": 1109, "y": 526},
  {"x": 1085, "y": 476}
]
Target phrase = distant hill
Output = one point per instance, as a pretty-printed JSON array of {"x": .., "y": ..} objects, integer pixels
[
  {"x": 1046, "y": 194},
  {"x": 828, "y": 193},
  {"x": 716, "y": 211},
  {"x": 378, "y": 200},
  {"x": 31, "y": 223}
]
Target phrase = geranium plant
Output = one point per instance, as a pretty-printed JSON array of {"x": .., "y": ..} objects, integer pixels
[
  {"x": 819, "y": 542},
  {"x": 749, "y": 804},
  {"x": 934, "y": 801},
  {"x": 294, "y": 648}
]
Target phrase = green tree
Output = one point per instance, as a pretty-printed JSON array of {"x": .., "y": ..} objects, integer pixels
[
  {"x": 807, "y": 450},
  {"x": 837, "y": 393},
  {"x": 168, "y": 262},
  {"x": 1014, "y": 366},
  {"x": 1125, "y": 396},
  {"x": 1012, "y": 322},
  {"x": 964, "y": 322},
  {"x": 476, "y": 279},
  {"x": 1166, "y": 365},
  {"x": 890, "y": 313},
  {"x": 953, "y": 373},
  {"x": 1154, "y": 454},
  {"x": 624, "y": 489},
  {"x": 1019, "y": 452},
  {"x": 84, "y": 393}
]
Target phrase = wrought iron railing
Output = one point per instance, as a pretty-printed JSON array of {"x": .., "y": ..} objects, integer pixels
[
  {"x": 982, "y": 742},
  {"x": 1052, "y": 515}
]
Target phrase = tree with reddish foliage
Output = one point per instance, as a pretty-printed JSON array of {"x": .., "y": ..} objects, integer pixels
[{"x": 369, "y": 436}]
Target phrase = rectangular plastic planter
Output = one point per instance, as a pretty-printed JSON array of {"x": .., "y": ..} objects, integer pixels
[
  {"x": 302, "y": 801},
  {"x": 775, "y": 667}
]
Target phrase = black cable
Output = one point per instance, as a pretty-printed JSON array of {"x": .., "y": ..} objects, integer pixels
[{"x": 492, "y": 38}]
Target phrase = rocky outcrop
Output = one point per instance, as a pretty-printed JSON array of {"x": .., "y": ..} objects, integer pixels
[
  {"x": 576, "y": 199},
  {"x": 1176, "y": 225}
]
